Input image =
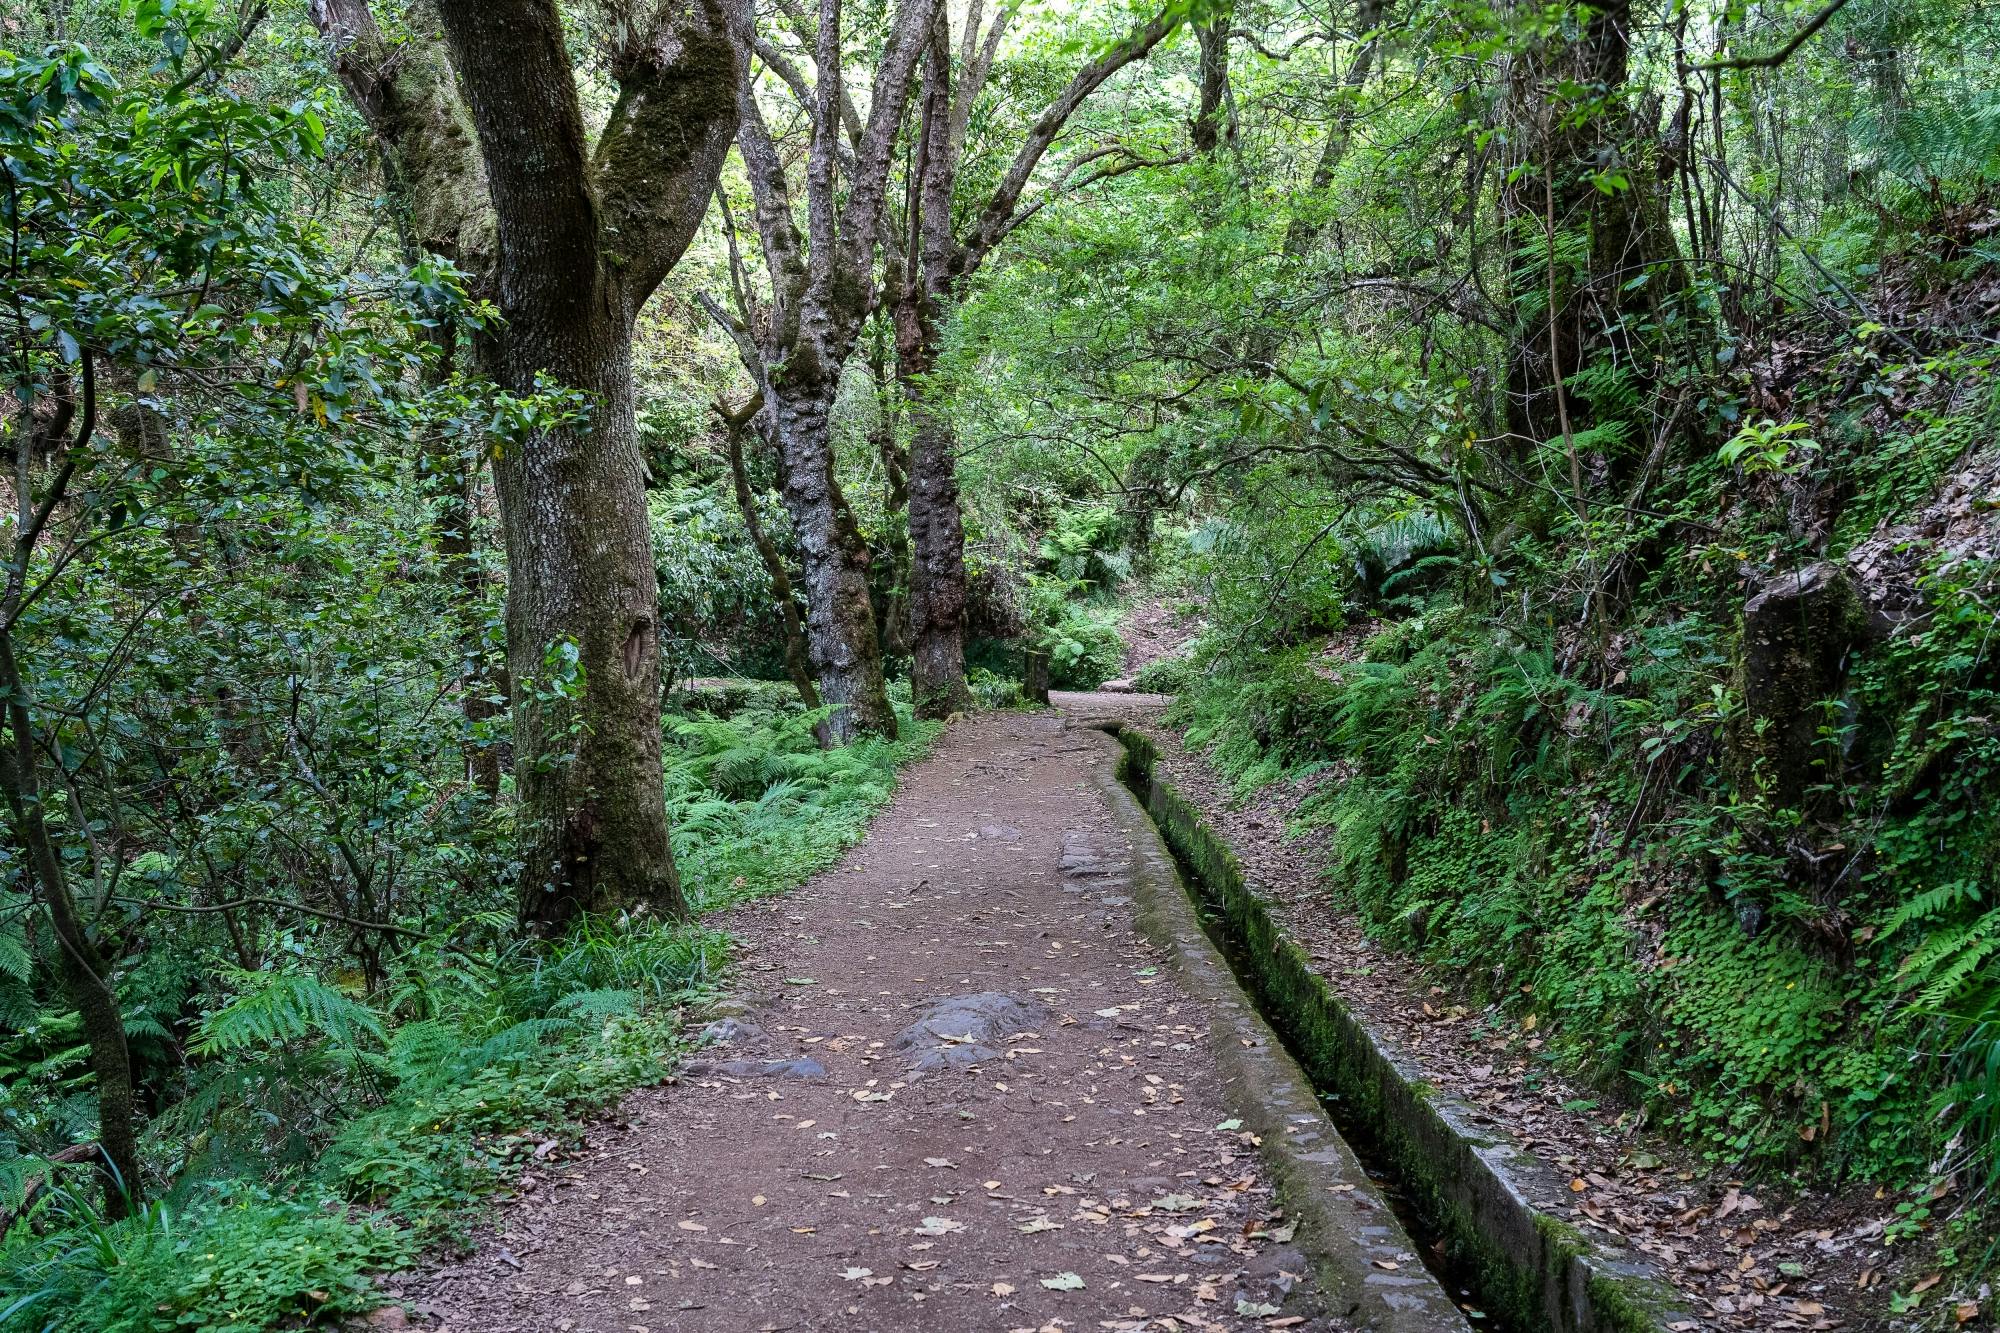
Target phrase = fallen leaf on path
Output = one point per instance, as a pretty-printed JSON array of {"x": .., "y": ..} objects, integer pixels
[
  {"x": 692, "y": 1226},
  {"x": 1034, "y": 1224},
  {"x": 941, "y": 1163},
  {"x": 939, "y": 1226},
  {"x": 1254, "y": 1309},
  {"x": 1063, "y": 1282},
  {"x": 1002, "y": 1289}
]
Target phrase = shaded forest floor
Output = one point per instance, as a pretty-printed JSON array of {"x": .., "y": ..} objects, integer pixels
[{"x": 960, "y": 1094}]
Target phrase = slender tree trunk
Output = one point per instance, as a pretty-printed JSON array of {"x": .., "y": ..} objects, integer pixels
[
  {"x": 937, "y": 527},
  {"x": 797, "y": 662},
  {"x": 840, "y": 617},
  {"x": 581, "y": 581},
  {"x": 893, "y": 624},
  {"x": 84, "y": 972},
  {"x": 1213, "y": 125}
]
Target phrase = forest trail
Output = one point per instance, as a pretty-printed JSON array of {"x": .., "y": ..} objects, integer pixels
[{"x": 1074, "y": 1165}]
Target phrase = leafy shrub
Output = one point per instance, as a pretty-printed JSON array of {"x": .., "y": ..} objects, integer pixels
[
  {"x": 1084, "y": 648},
  {"x": 231, "y": 1262},
  {"x": 992, "y": 690},
  {"x": 1169, "y": 675},
  {"x": 311, "y": 1094}
]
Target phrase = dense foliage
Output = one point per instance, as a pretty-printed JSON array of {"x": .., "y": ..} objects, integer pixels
[
  {"x": 1646, "y": 681},
  {"x": 1567, "y": 424}
]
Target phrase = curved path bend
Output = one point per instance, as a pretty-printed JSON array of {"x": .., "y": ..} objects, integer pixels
[{"x": 963, "y": 1093}]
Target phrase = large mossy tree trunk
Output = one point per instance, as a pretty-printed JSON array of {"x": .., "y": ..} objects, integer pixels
[
  {"x": 583, "y": 635},
  {"x": 580, "y": 235},
  {"x": 1585, "y": 168}
]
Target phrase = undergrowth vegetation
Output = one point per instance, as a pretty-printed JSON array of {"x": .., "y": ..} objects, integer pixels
[{"x": 325, "y": 1129}]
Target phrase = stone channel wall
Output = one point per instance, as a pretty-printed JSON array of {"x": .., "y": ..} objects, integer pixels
[{"x": 1472, "y": 1187}]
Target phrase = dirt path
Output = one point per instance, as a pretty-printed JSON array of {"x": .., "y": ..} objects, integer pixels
[{"x": 1067, "y": 1160}]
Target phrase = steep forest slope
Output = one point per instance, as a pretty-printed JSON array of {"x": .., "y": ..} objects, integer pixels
[{"x": 1608, "y": 550}]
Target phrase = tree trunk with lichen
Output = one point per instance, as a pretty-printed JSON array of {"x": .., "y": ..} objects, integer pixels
[
  {"x": 798, "y": 662},
  {"x": 893, "y": 620},
  {"x": 583, "y": 639},
  {"x": 840, "y": 615},
  {"x": 937, "y": 526},
  {"x": 822, "y": 288}
]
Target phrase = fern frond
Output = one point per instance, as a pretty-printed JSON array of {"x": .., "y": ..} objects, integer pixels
[{"x": 286, "y": 1007}]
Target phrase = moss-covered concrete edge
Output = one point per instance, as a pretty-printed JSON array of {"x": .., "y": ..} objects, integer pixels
[
  {"x": 1368, "y": 1271},
  {"x": 1471, "y": 1186}
]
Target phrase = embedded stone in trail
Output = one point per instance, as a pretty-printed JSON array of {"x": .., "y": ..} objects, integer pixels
[
  {"x": 730, "y": 1031},
  {"x": 802, "y": 1067},
  {"x": 1088, "y": 869},
  {"x": 957, "y": 1030}
]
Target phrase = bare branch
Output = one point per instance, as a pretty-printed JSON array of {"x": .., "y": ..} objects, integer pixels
[
  {"x": 1772, "y": 59},
  {"x": 993, "y": 220}
]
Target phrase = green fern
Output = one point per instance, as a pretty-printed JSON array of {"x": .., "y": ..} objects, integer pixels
[
  {"x": 1932, "y": 903},
  {"x": 519, "y": 1041},
  {"x": 286, "y": 1007},
  {"x": 598, "y": 1005},
  {"x": 15, "y": 960},
  {"x": 1950, "y": 956}
]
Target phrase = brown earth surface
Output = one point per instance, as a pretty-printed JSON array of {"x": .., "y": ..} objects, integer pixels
[{"x": 1069, "y": 1165}]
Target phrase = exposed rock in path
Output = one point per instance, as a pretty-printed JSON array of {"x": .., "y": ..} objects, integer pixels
[
  {"x": 802, "y": 1067},
  {"x": 730, "y": 1031},
  {"x": 959, "y": 1029}
]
